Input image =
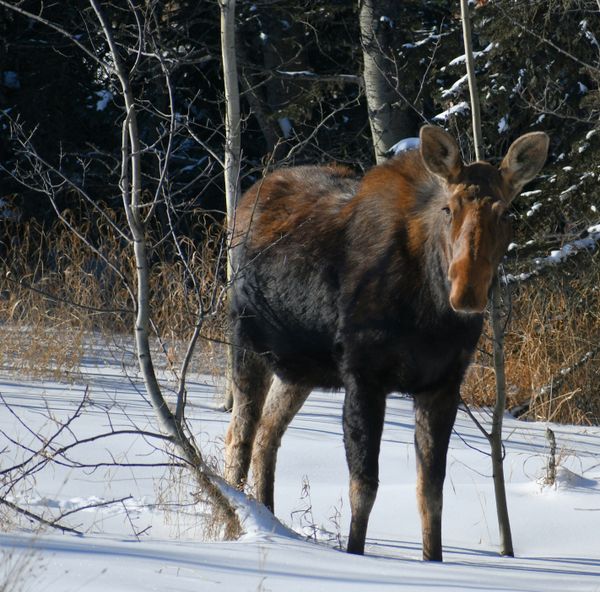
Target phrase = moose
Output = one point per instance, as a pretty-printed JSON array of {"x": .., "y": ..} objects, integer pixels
[{"x": 373, "y": 285}]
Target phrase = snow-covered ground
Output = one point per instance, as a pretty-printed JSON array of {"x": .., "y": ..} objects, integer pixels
[{"x": 153, "y": 539}]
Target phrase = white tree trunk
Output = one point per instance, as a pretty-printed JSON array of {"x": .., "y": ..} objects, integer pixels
[
  {"x": 232, "y": 113},
  {"x": 232, "y": 150},
  {"x": 379, "y": 90}
]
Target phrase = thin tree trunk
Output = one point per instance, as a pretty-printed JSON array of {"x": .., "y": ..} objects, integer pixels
[
  {"x": 232, "y": 151},
  {"x": 388, "y": 122},
  {"x": 474, "y": 95},
  {"x": 232, "y": 113},
  {"x": 498, "y": 328},
  {"x": 495, "y": 438}
]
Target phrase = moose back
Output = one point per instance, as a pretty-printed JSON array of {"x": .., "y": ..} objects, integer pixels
[{"x": 374, "y": 286}]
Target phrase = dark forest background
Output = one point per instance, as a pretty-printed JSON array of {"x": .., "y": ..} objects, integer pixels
[
  {"x": 303, "y": 101},
  {"x": 300, "y": 78}
]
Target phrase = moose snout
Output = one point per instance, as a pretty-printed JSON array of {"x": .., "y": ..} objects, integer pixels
[
  {"x": 469, "y": 289},
  {"x": 468, "y": 301}
]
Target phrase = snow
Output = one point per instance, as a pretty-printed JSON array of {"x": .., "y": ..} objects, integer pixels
[
  {"x": 454, "y": 110},
  {"x": 455, "y": 88},
  {"x": 588, "y": 34},
  {"x": 520, "y": 82},
  {"x": 286, "y": 127},
  {"x": 298, "y": 73},
  {"x": 503, "y": 125},
  {"x": 583, "y": 89},
  {"x": 104, "y": 98},
  {"x": 510, "y": 278},
  {"x": 589, "y": 242},
  {"x": 567, "y": 191},
  {"x": 461, "y": 59},
  {"x": 428, "y": 37},
  {"x": 404, "y": 145},
  {"x": 153, "y": 540},
  {"x": 534, "y": 208}
]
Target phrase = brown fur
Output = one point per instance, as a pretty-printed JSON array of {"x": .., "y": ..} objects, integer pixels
[{"x": 374, "y": 286}]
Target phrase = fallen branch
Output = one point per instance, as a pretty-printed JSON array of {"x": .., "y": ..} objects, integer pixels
[
  {"x": 39, "y": 518},
  {"x": 552, "y": 389}
]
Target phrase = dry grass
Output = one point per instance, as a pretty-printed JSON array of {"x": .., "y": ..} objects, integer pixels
[
  {"x": 55, "y": 290},
  {"x": 555, "y": 323}
]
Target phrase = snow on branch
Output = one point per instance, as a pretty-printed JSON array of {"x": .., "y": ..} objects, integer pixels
[
  {"x": 455, "y": 88},
  {"x": 564, "y": 373},
  {"x": 476, "y": 54},
  {"x": 588, "y": 242},
  {"x": 308, "y": 75},
  {"x": 404, "y": 146},
  {"x": 457, "y": 109}
]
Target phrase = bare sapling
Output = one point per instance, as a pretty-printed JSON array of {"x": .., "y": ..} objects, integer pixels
[
  {"x": 145, "y": 189},
  {"x": 495, "y": 437}
]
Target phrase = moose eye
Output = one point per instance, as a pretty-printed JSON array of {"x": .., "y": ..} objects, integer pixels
[{"x": 446, "y": 210}]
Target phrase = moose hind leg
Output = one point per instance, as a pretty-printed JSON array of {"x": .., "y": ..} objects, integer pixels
[
  {"x": 283, "y": 401},
  {"x": 434, "y": 417},
  {"x": 363, "y": 419},
  {"x": 251, "y": 380}
]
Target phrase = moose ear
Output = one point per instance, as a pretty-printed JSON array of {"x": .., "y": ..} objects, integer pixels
[
  {"x": 524, "y": 160},
  {"x": 440, "y": 152}
]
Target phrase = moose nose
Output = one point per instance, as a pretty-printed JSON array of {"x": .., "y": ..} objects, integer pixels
[
  {"x": 467, "y": 299},
  {"x": 469, "y": 284}
]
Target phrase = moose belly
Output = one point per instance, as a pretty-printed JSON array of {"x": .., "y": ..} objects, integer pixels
[
  {"x": 301, "y": 339},
  {"x": 411, "y": 360}
]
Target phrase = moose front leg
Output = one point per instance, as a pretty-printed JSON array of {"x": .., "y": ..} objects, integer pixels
[
  {"x": 435, "y": 413},
  {"x": 364, "y": 413}
]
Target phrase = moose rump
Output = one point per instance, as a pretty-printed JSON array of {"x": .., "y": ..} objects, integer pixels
[{"x": 373, "y": 285}]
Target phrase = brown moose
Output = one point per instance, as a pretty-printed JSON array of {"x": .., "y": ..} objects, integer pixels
[{"x": 375, "y": 286}]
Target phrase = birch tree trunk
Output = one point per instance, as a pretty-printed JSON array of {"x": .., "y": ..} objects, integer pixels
[
  {"x": 389, "y": 124},
  {"x": 495, "y": 438},
  {"x": 232, "y": 112},
  {"x": 232, "y": 151}
]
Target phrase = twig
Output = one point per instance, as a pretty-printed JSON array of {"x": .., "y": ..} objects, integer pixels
[
  {"x": 38, "y": 518},
  {"x": 94, "y": 505}
]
